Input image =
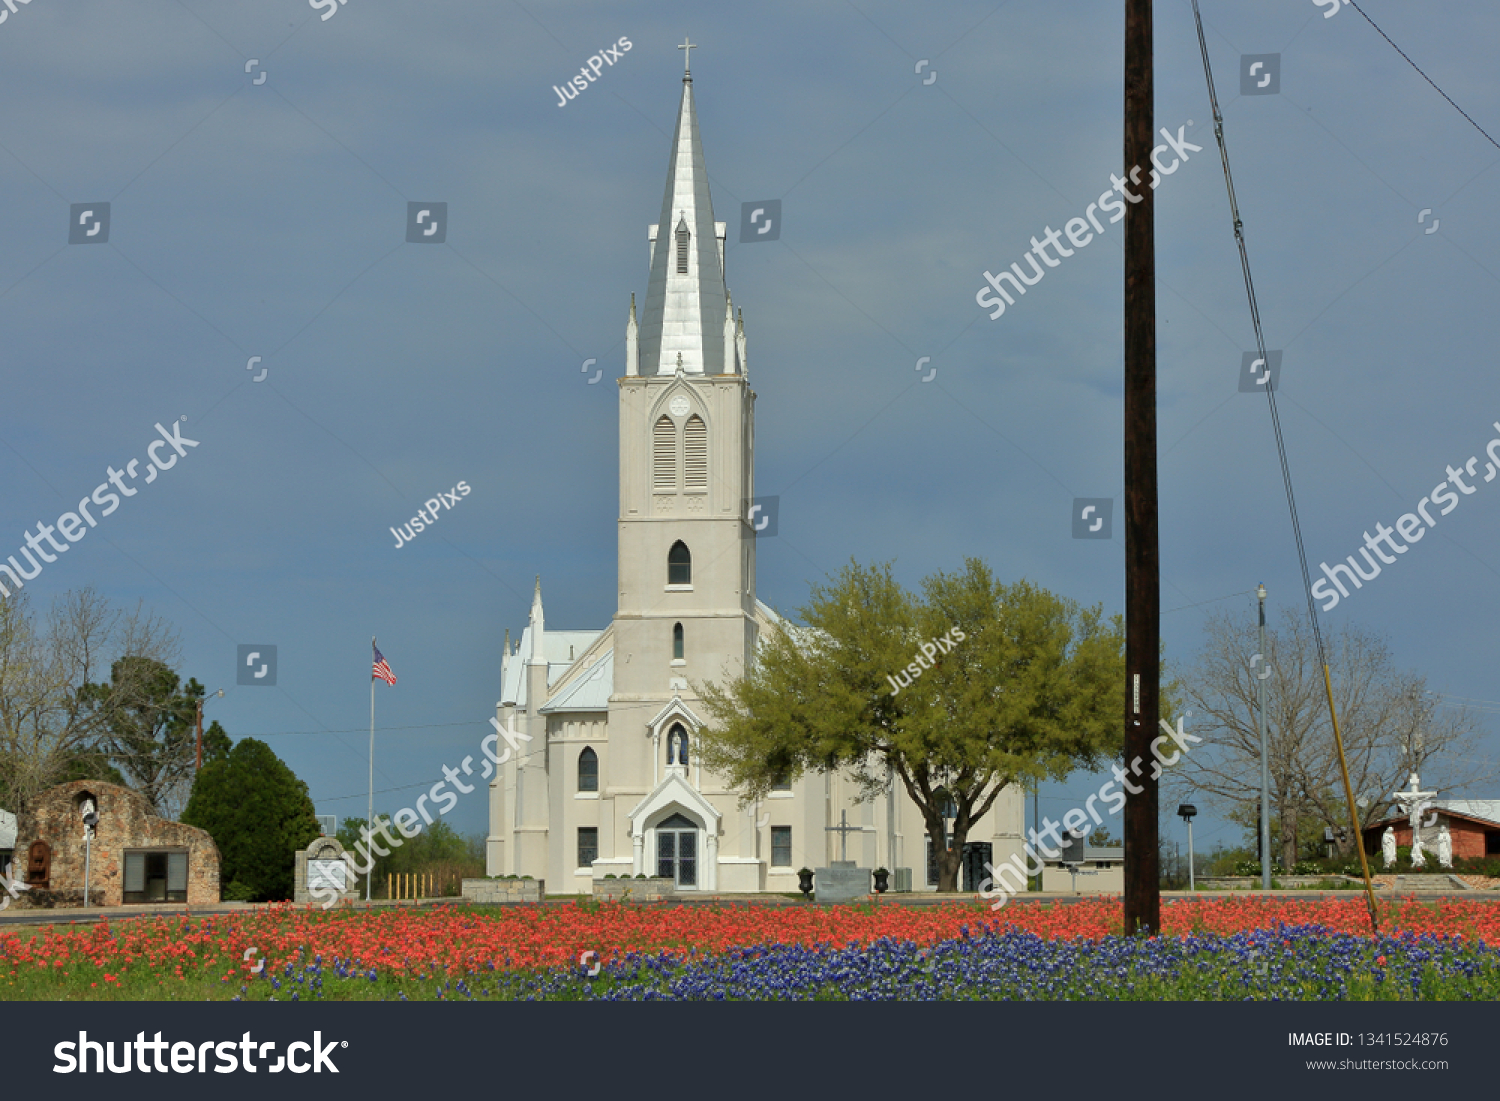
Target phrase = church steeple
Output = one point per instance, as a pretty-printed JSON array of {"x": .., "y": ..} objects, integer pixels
[{"x": 686, "y": 298}]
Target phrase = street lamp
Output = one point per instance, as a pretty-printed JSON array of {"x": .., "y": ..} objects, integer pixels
[
  {"x": 198, "y": 763},
  {"x": 1186, "y": 811}
]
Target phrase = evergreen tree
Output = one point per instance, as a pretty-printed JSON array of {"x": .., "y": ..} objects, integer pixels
[{"x": 259, "y": 815}]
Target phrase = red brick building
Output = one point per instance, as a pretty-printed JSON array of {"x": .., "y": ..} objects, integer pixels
[
  {"x": 1474, "y": 825},
  {"x": 135, "y": 857}
]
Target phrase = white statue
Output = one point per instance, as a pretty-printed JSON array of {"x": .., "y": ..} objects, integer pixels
[
  {"x": 1388, "y": 847},
  {"x": 1418, "y": 860},
  {"x": 676, "y": 750},
  {"x": 1445, "y": 846},
  {"x": 88, "y": 809}
]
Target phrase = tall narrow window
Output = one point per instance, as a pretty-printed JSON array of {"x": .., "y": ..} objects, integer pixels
[
  {"x": 664, "y": 455},
  {"x": 679, "y": 564},
  {"x": 682, "y": 247},
  {"x": 696, "y": 440},
  {"x": 588, "y": 770},
  {"x": 588, "y": 846},
  {"x": 677, "y": 646},
  {"x": 781, "y": 846}
]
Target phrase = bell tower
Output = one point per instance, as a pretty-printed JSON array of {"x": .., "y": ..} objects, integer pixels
[{"x": 686, "y": 555}]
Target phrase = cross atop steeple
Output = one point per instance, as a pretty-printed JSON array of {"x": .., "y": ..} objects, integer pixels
[{"x": 688, "y": 46}]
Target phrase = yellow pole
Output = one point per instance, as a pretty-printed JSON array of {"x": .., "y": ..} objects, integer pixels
[{"x": 1359, "y": 837}]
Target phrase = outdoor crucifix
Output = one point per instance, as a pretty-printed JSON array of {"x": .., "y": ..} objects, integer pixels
[
  {"x": 1414, "y": 801},
  {"x": 844, "y": 829}
]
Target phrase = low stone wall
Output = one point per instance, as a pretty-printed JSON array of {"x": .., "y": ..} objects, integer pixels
[
  {"x": 51, "y": 900},
  {"x": 1286, "y": 882},
  {"x": 634, "y": 890},
  {"x": 489, "y": 892}
]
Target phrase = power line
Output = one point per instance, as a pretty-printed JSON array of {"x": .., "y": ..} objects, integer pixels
[{"x": 1423, "y": 75}]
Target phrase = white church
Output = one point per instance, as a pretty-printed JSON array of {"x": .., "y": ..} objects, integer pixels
[{"x": 611, "y": 783}]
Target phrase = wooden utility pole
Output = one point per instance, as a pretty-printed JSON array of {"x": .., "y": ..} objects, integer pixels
[{"x": 1142, "y": 566}]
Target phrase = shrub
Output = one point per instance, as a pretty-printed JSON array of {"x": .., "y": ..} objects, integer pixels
[{"x": 238, "y": 891}]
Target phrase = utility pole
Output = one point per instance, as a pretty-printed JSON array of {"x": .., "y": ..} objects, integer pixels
[
  {"x": 1142, "y": 567},
  {"x": 198, "y": 761},
  {"x": 1265, "y": 756}
]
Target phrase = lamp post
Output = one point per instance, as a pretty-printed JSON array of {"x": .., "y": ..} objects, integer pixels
[
  {"x": 1265, "y": 759},
  {"x": 1186, "y": 812},
  {"x": 198, "y": 761}
]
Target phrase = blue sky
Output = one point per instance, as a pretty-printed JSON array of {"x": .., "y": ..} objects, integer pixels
[{"x": 270, "y": 220}]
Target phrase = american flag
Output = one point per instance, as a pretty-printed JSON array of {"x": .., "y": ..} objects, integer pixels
[{"x": 382, "y": 669}]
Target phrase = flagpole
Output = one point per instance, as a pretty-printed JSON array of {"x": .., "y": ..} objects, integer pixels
[{"x": 370, "y": 806}]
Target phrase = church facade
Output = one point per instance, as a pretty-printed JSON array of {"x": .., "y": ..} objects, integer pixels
[{"x": 610, "y": 783}]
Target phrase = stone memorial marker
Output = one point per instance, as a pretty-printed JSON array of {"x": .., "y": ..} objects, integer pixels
[
  {"x": 846, "y": 880},
  {"x": 322, "y": 872}
]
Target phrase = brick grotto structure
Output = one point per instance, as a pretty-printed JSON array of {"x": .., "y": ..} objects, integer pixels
[{"x": 137, "y": 857}]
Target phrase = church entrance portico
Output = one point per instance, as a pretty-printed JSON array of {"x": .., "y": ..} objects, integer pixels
[{"x": 677, "y": 851}]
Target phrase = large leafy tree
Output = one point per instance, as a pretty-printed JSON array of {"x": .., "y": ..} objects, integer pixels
[
  {"x": 1391, "y": 726},
  {"x": 259, "y": 815},
  {"x": 147, "y": 728},
  {"x": 50, "y": 730},
  {"x": 1034, "y": 689}
]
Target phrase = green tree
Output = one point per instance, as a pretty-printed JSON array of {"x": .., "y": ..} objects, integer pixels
[
  {"x": 147, "y": 728},
  {"x": 1031, "y": 686},
  {"x": 259, "y": 815},
  {"x": 438, "y": 850}
]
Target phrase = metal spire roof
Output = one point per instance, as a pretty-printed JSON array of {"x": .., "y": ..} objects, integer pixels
[{"x": 684, "y": 313}]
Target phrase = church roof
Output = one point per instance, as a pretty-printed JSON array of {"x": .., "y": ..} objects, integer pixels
[
  {"x": 685, "y": 312},
  {"x": 590, "y": 691},
  {"x": 562, "y": 649}
]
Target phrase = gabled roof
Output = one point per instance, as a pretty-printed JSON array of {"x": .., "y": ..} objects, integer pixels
[
  {"x": 562, "y": 650},
  {"x": 1485, "y": 812},
  {"x": 590, "y": 691}
]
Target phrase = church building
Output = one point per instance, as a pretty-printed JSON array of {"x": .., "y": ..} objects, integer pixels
[{"x": 610, "y": 783}]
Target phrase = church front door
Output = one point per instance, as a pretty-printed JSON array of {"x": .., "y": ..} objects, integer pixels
[{"x": 677, "y": 851}]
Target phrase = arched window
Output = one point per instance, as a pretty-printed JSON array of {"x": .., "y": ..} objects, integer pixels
[
  {"x": 677, "y": 642},
  {"x": 696, "y": 451},
  {"x": 679, "y": 564},
  {"x": 682, "y": 247},
  {"x": 664, "y": 455},
  {"x": 677, "y": 745},
  {"x": 588, "y": 770}
]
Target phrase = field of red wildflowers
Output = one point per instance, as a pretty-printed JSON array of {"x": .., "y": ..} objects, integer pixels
[{"x": 286, "y": 952}]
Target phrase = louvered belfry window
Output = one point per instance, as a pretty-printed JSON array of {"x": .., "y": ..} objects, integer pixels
[
  {"x": 682, "y": 248},
  {"x": 697, "y": 453},
  {"x": 664, "y": 455}
]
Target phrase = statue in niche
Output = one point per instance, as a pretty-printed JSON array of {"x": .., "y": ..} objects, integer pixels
[{"x": 1388, "y": 847}]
